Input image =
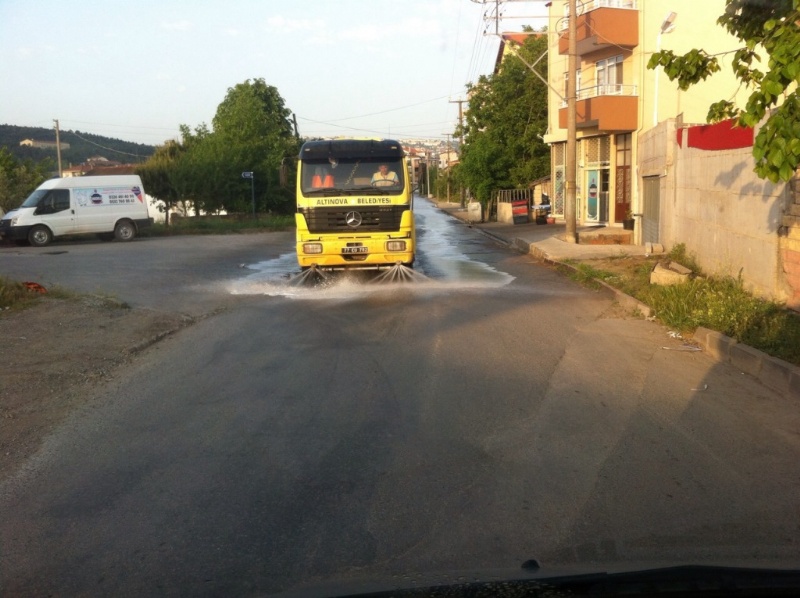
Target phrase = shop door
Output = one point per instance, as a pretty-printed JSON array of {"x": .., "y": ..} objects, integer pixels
[
  {"x": 592, "y": 196},
  {"x": 622, "y": 182}
]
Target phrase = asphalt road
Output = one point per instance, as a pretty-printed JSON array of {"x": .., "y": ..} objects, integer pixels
[
  {"x": 185, "y": 274},
  {"x": 497, "y": 413}
]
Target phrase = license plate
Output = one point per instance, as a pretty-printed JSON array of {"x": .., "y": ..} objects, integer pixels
[{"x": 355, "y": 249}]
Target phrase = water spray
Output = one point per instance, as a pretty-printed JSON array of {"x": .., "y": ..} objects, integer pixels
[
  {"x": 399, "y": 273},
  {"x": 310, "y": 277}
]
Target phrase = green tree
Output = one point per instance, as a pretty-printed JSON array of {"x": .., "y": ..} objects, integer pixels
[
  {"x": 252, "y": 132},
  {"x": 764, "y": 28},
  {"x": 507, "y": 115},
  {"x": 172, "y": 173},
  {"x": 18, "y": 178}
]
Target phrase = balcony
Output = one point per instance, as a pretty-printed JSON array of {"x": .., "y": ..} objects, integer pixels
[
  {"x": 611, "y": 108},
  {"x": 602, "y": 24}
]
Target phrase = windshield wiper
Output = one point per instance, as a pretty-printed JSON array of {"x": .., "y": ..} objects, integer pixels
[
  {"x": 327, "y": 191},
  {"x": 369, "y": 189}
]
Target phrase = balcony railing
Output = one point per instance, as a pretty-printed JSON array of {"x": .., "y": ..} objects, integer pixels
[
  {"x": 605, "y": 108},
  {"x": 604, "y": 90}
]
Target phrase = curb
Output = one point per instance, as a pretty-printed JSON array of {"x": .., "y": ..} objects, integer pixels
[{"x": 776, "y": 374}]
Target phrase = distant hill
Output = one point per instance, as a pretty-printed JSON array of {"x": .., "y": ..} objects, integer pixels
[{"x": 82, "y": 146}]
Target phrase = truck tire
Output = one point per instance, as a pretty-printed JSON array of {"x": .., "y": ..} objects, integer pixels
[
  {"x": 124, "y": 231},
  {"x": 39, "y": 236}
]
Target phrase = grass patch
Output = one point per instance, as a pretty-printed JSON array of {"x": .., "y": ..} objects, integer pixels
[
  {"x": 588, "y": 275},
  {"x": 718, "y": 303},
  {"x": 15, "y": 295},
  {"x": 724, "y": 305},
  {"x": 220, "y": 226},
  {"x": 680, "y": 255},
  {"x": 637, "y": 282}
]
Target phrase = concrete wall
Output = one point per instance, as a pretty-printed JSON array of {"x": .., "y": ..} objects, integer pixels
[
  {"x": 713, "y": 202},
  {"x": 790, "y": 246}
]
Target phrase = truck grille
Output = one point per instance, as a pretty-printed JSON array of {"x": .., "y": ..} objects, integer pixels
[{"x": 378, "y": 219}]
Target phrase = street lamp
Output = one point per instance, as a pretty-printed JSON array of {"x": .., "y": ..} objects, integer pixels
[
  {"x": 667, "y": 26},
  {"x": 251, "y": 176}
]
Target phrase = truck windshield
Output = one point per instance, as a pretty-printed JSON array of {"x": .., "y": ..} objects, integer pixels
[
  {"x": 349, "y": 176},
  {"x": 34, "y": 198}
]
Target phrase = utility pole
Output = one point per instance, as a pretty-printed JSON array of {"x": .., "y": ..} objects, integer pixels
[
  {"x": 448, "y": 167},
  {"x": 58, "y": 147},
  {"x": 461, "y": 139},
  {"x": 428, "y": 173},
  {"x": 570, "y": 173}
]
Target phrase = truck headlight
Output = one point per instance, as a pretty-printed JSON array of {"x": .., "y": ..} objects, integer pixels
[
  {"x": 312, "y": 247},
  {"x": 395, "y": 246},
  {"x": 14, "y": 220}
]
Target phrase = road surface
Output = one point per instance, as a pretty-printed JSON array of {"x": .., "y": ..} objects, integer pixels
[{"x": 496, "y": 413}]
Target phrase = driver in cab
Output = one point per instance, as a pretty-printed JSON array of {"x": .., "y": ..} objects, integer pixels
[{"x": 384, "y": 177}]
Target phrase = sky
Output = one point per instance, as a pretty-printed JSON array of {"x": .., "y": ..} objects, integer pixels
[{"x": 137, "y": 70}]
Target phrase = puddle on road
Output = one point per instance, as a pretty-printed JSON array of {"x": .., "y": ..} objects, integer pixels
[{"x": 439, "y": 258}]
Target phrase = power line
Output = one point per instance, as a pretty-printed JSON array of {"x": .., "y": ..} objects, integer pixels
[
  {"x": 336, "y": 120},
  {"x": 103, "y": 146},
  {"x": 84, "y": 122}
]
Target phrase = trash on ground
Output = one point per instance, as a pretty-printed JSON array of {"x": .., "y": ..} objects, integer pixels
[
  {"x": 35, "y": 287},
  {"x": 684, "y": 347}
]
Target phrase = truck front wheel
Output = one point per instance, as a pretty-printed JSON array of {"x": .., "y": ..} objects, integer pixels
[
  {"x": 124, "y": 231},
  {"x": 39, "y": 236}
]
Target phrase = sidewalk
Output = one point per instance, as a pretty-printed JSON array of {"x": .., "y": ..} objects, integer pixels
[{"x": 545, "y": 241}]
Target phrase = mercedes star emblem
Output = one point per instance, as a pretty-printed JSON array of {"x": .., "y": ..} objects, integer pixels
[{"x": 353, "y": 219}]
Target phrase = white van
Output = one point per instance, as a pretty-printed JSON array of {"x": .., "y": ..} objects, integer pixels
[{"x": 109, "y": 206}]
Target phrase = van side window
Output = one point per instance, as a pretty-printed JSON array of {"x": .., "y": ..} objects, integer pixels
[{"x": 60, "y": 199}]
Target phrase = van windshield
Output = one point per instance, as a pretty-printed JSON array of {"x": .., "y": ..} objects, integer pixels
[
  {"x": 350, "y": 175},
  {"x": 34, "y": 198}
]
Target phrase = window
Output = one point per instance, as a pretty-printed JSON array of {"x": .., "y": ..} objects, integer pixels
[
  {"x": 598, "y": 151},
  {"x": 60, "y": 199},
  {"x": 48, "y": 202},
  {"x": 609, "y": 75}
]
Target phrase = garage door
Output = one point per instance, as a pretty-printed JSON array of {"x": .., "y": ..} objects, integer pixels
[{"x": 652, "y": 208}]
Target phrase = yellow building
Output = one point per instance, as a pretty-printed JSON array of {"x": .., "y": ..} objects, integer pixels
[{"x": 618, "y": 98}]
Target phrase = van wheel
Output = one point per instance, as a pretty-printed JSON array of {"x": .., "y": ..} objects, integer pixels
[
  {"x": 39, "y": 236},
  {"x": 124, "y": 231}
]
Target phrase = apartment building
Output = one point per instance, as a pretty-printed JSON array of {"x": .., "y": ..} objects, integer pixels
[{"x": 618, "y": 98}]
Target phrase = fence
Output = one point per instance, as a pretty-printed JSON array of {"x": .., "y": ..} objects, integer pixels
[{"x": 521, "y": 201}]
